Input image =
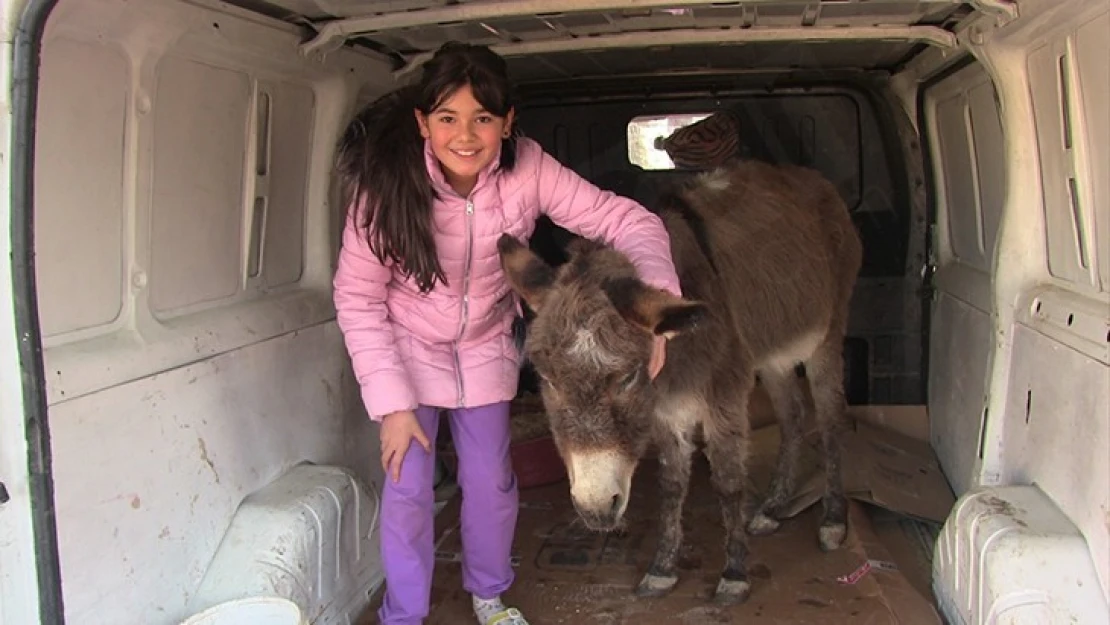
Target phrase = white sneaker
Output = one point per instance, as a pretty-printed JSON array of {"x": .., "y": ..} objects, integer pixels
[{"x": 508, "y": 616}]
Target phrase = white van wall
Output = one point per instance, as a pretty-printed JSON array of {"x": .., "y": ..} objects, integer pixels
[
  {"x": 1053, "y": 428},
  {"x": 1019, "y": 371},
  {"x": 970, "y": 177},
  {"x": 185, "y": 229}
]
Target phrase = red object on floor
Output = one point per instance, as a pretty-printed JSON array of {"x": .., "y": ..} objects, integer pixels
[{"x": 537, "y": 462}]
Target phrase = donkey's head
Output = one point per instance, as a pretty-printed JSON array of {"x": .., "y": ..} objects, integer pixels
[{"x": 590, "y": 343}]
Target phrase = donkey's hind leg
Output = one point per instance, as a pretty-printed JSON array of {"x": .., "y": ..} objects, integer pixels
[
  {"x": 825, "y": 370},
  {"x": 788, "y": 401}
]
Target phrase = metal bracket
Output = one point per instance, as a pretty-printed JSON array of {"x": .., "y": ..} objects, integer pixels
[{"x": 1007, "y": 10}]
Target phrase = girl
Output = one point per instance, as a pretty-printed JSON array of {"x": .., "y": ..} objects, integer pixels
[{"x": 436, "y": 175}]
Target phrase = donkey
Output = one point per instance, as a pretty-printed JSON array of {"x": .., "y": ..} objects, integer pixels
[{"x": 767, "y": 257}]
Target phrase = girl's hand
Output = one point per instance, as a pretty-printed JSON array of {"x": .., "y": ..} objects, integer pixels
[
  {"x": 398, "y": 430},
  {"x": 658, "y": 356}
]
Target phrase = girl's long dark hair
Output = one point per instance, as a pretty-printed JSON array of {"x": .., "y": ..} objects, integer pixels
[{"x": 381, "y": 157}]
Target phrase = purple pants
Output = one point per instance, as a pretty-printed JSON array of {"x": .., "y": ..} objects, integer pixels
[{"x": 488, "y": 517}]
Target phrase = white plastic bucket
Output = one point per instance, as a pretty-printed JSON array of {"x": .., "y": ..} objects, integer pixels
[{"x": 251, "y": 611}]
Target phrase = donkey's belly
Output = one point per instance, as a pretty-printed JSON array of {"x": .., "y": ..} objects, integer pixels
[{"x": 783, "y": 358}]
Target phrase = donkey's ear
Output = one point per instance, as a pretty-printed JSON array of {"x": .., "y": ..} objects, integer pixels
[
  {"x": 528, "y": 275},
  {"x": 654, "y": 310}
]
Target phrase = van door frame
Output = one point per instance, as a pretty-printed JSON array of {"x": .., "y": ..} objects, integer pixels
[{"x": 30, "y": 572}]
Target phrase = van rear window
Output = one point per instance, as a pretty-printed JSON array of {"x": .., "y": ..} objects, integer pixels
[{"x": 645, "y": 129}]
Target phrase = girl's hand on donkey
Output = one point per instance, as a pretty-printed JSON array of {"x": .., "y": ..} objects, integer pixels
[{"x": 398, "y": 430}]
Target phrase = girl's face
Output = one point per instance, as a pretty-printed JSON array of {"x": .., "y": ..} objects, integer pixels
[{"x": 465, "y": 137}]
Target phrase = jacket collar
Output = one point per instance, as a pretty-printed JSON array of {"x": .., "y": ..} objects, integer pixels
[{"x": 439, "y": 181}]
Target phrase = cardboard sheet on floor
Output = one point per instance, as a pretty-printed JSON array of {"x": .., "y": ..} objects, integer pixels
[
  {"x": 568, "y": 575},
  {"x": 886, "y": 461}
]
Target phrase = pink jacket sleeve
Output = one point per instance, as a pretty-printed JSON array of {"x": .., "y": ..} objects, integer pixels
[
  {"x": 360, "y": 285},
  {"x": 577, "y": 205}
]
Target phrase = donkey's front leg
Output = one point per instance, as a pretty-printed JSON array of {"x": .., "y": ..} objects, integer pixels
[
  {"x": 675, "y": 451},
  {"x": 727, "y": 450}
]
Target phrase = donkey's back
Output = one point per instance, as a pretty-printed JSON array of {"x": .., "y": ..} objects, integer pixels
[{"x": 775, "y": 246}]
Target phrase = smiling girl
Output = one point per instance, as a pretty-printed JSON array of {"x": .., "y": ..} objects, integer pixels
[{"x": 435, "y": 174}]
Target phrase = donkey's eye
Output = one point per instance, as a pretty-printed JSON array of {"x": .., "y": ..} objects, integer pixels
[{"x": 628, "y": 381}]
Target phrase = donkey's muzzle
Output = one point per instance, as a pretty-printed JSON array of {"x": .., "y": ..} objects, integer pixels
[
  {"x": 603, "y": 519},
  {"x": 600, "y": 487}
]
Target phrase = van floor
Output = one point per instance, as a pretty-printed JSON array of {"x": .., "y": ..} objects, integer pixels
[{"x": 568, "y": 575}]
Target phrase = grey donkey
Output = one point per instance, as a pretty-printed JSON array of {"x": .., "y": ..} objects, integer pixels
[{"x": 768, "y": 258}]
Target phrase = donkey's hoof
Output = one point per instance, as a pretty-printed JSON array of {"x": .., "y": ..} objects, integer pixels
[
  {"x": 732, "y": 591},
  {"x": 656, "y": 585},
  {"x": 762, "y": 525},
  {"x": 832, "y": 536}
]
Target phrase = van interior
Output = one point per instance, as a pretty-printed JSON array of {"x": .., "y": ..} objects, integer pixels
[{"x": 178, "y": 402}]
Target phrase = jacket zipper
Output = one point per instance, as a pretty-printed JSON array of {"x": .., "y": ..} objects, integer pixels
[{"x": 466, "y": 300}]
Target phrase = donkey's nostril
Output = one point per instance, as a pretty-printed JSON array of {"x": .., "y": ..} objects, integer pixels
[{"x": 615, "y": 508}]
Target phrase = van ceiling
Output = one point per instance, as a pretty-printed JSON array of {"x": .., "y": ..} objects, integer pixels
[{"x": 568, "y": 40}]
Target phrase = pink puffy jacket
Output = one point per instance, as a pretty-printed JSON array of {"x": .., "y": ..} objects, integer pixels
[{"x": 453, "y": 347}]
